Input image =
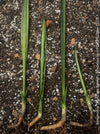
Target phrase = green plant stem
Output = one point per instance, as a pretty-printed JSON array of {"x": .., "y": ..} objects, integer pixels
[
  {"x": 85, "y": 93},
  {"x": 42, "y": 72},
  {"x": 24, "y": 43},
  {"x": 24, "y": 47},
  {"x": 64, "y": 90},
  {"x": 81, "y": 79},
  {"x": 42, "y": 65},
  {"x": 63, "y": 21}
]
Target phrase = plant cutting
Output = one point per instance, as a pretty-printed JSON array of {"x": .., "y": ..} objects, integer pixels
[
  {"x": 24, "y": 47},
  {"x": 64, "y": 90},
  {"x": 86, "y": 96},
  {"x": 42, "y": 72}
]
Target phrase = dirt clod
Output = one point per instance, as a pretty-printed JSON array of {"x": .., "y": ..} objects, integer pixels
[
  {"x": 72, "y": 42},
  {"x": 48, "y": 22},
  {"x": 33, "y": 77},
  {"x": 82, "y": 101},
  {"x": 37, "y": 56},
  {"x": 92, "y": 95},
  {"x": 55, "y": 98},
  {"x": 53, "y": 69},
  {"x": 54, "y": 119}
]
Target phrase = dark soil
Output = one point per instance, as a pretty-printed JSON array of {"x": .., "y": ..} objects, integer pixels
[{"x": 81, "y": 25}]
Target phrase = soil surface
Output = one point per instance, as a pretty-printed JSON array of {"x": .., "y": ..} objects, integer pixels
[{"x": 80, "y": 30}]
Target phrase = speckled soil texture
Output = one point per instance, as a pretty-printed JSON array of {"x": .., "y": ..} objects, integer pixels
[{"x": 81, "y": 30}]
